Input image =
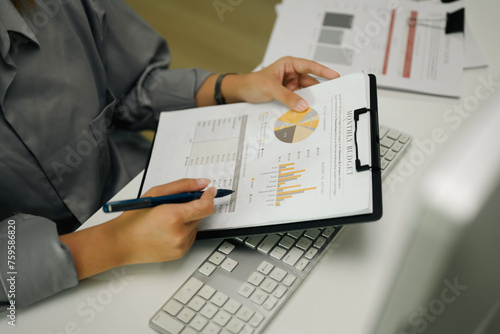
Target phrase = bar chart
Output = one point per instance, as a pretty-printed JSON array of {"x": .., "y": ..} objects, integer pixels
[{"x": 289, "y": 183}]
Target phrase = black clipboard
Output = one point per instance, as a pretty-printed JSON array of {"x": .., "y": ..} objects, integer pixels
[{"x": 372, "y": 167}]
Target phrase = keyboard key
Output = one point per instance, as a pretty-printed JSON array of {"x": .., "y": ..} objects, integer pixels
[
  {"x": 221, "y": 318},
  {"x": 287, "y": 242},
  {"x": 206, "y": 292},
  {"x": 387, "y": 142},
  {"x": 289, "y": 279},
  {"x": 217, "y": 258},
  {"x": 172, "y": 307},
  {"x": 302, "y": 264},
  {"x": 397, "y": 147},
  {"x": 245, "y": 313},
  {"x": 320, "y": 242},
  {"x": 327, "y": 233},
  {"x": 295, "y": 234},
  {"x": 270, "y": 303},
  {"x": 207, "y": 269},
  {"x": 226, "y": 247},
  {"x": 209, "y": 310},
  {"x": 198, "y": 323},
  {"x": 311, "y": 252},
  {"x": 265, "y": 267},
  {"x": 277, "y": 274},
  {"x": 293, "y": 256},
  {"x": 211, "y": 328},
  {"x": 278, "y": 252},
  {"x": 258, "y": 296},
  {"x": 196, "y": 303},
  {"x": 246, "y": 290},
  {"x": 390, "y": 155},
  {"x": 404, "y": 139},
  {"x": 185, "y": 315},
  {"x": 232, "y": 306},
  {"x": 256, "y": 278},
  {"x": 168, "y": 323},
  {"x": 229, "y": 264},
  {"x": 188, "y": 330},
  {"x": 304, "y": 243},
  {"x": 256, "y": 319},
  {"x": 384, "y": 163},
  {"x": 235, "y": 325},
  {"x": 393, "y": 134},
  {"x": 268, "y": 285},
  {"x": 219, "y": 299},
  {"x": 280, "y": 291},
  {"x": 188, "y": 290},
  {"x": 313, "y": 234},
  {"x": 383, "y": 151},
  {"x": 268, "y": 243},
  {"x": 254, "y": 240},
  {"x": 247, "y": 330}
]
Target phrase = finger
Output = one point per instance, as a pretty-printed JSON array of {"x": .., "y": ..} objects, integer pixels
[
  {"x": 179, "y": 186},
  {"x": 304, "y": 66},
  {"x": 289, "y": 98},
  {"x": 198, "y": 209}
]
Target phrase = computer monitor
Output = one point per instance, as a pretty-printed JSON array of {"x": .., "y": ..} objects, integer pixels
[{"x": 449, "y": 280}]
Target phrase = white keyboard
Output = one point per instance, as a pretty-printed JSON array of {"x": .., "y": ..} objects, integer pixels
[{"x": 244, "y": 281}]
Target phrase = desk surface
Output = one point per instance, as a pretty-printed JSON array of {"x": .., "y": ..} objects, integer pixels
[{"x": 345, "y": 288}]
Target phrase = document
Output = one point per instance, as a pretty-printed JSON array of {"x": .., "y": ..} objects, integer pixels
[
  {"x": 283, "y": 166},
  {"x": 403, "y": 43}
]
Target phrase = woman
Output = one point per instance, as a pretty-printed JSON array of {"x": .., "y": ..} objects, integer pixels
[{"x": 76, "y": 78}]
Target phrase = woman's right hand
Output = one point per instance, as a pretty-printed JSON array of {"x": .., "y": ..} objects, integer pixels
[
  {"x": 162, "y": 233},
  {"x": 165, "y": 232}
]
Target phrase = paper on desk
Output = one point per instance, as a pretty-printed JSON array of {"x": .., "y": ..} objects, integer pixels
[
  {"x": 373, "y": 36},
  {"x": 284, "y": 166},
  {"x": 474, "y": 57}
]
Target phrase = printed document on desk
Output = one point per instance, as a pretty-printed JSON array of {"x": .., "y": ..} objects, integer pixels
[
  {"x": 405, "y": 45},
  {"x": 284, "y": 166}
]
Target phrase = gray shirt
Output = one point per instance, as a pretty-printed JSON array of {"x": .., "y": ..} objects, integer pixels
[{"x": 76, "y": 77}]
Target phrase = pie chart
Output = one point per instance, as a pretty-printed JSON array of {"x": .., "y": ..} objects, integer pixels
[{"x": 293, "y": 127}]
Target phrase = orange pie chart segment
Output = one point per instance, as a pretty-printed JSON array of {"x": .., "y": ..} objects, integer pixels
[{"x": 293, "y": 127}]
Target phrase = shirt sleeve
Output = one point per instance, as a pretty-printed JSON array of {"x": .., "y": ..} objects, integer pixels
[
  {"x": 34, "y": 263},
  {"x": 136, "y": 61}
]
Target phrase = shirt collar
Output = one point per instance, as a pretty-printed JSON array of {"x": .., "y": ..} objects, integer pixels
[{"x": 12, "y": 21}]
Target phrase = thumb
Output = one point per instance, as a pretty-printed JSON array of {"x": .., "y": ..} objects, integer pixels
[{"x": 289, "y": 98}]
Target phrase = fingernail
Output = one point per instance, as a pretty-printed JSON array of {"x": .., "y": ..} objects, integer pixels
[
  {"x": 202, "y": 182},
  {"x": 301, "y": 105}
]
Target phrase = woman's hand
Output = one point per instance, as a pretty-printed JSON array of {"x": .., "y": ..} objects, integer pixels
[
  {"x": 162, "y": 233},
  {"x": 277, "y": 81},
  {"x": 166, "y": 232}
]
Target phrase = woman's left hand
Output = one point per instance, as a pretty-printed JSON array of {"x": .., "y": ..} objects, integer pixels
[{"x": 277, "y": 81}]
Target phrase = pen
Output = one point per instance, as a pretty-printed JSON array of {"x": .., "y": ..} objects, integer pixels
[{"x": 149, "y": 202}]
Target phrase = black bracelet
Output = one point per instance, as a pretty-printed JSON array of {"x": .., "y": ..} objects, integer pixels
[{"x": 217, "y": 93}]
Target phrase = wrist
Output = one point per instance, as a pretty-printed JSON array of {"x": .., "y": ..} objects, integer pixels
[{"x": 232, "y": 87}]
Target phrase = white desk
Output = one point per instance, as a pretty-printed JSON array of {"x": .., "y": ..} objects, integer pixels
[{"x": 343, "y": 292}]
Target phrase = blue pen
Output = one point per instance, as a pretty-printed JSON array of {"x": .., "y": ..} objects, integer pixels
[{"x": 149, "y": 202}]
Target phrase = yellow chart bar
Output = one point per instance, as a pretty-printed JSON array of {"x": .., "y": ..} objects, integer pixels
[
  {"x": 286, "y": 165},
  {"x": 284, "y": 174},
  {"x": 296, "y": 191},
  {"x": 285, "y": 169},
  {"x": 281, "y": 188},
  {"x": 289, "y": 177},
  {"x": 282, "y": 198}
]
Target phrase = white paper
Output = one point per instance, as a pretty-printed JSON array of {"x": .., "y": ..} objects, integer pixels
[
  {"x": 284, "y": 166},
  {"x": 376, "y": 37}
]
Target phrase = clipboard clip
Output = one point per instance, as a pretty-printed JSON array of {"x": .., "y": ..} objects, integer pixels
[
  {"x": 455, "y": 21},
  {"x": 357, "y": 113}
]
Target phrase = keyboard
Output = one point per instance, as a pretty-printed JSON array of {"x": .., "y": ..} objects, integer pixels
[{"x": 244, "y": 281}]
